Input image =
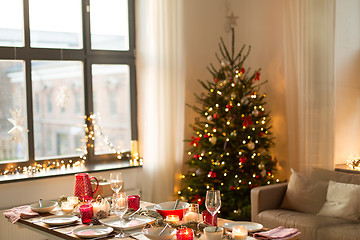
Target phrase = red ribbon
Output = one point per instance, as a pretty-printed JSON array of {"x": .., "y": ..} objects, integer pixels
[{"x": 247, "y": 121}]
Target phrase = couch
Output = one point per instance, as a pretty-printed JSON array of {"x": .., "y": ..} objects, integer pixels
[{"x": 323, "y": 206}]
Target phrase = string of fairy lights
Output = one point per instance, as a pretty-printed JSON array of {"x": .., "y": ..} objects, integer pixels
[{"x": 93, "y": 129}]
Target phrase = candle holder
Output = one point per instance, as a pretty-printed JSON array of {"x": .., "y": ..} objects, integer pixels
[
  {"x": 134, "y": 202},
  {"x": 192, "y": 213},
  {"x": 185, "y": 234},
  {"x": 239, "y": 232},
  {"x": 73, "y": 200},
  {"x": 67, "y": 207},
  {"x": 86, "y": 212}
]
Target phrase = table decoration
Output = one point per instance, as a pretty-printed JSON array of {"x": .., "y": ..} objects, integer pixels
[
  {"x": 172, "y": 218},
  {"x": 239, "y": 232},
  {"x": 134, "y": 202},
  {"x": 67, "y": 207},
  {"x": 192, "y": 213},
  {"x": 86, "y": 212},
  {"x": 184, "y": 234},
  {"x": 82, "y": 186}
]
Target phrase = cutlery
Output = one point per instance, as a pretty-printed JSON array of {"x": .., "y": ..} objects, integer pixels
[
  {"x": 127, "y": 218},
  {"x": 64, "y": 226},
  {"x": 162, "y": 231},
  {"x": 176, "y": 203},
  {"x": 106, "y": 236}
]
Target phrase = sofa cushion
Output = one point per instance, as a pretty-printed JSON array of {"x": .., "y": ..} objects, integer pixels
[
  {"x": 340, "y": 232},
  {"x": 307, "y": 223},
  {"x": 304, "y": 194},
  {"x": 327, "y": 175},
  {"x": 342, "y": 200}
]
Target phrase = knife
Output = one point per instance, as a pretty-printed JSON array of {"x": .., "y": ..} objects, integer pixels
[{"x": 64, "y": 226}]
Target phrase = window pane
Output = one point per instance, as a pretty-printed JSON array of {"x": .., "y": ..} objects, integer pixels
[
  {"x": 57, "y": 121},
  {"x": 111, "y": 90},
  {"x": 109, "y": 24},
  {"x": 11, "y": 23},
  {"x": 13, "y": 120},
  {"x": 55, "y": 24}
]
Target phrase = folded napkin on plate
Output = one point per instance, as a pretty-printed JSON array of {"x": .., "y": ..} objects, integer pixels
[
  {"x": 16, "y": 213},
  {"x": 280, "y": 233}
]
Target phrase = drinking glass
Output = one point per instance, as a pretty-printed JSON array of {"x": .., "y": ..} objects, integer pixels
[
  {"x": 116, "y": 182},
  {"x": 119, "y": 204},
  {"x": 213, "y": 202}
]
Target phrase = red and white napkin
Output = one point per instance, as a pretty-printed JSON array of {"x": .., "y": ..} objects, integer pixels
[
  {"x": 279, "y": 233},
  {"x": 16, "y": 213}
]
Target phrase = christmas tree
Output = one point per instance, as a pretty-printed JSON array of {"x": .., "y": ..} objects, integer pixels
[{"x": 232, "y": 137}]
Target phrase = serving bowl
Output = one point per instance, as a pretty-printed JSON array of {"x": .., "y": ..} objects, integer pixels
[
  {"x": 153, "y": 233},
  {"x": 167, "y": 208},
  {"x": 47, "y": 206}
]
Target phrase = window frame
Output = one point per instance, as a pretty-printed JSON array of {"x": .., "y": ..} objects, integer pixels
[{"x": 88, "y": 57}]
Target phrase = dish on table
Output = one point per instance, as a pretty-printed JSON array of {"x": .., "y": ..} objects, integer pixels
[
  {"x": 137, "y": 221},
  {"x": 251, "y": 226},
  {"x": 92, "y": 231},
  {"x": 153, "y": 233},
  {"x": 59, "y": 219},
  {"x": 167, "y": 208},
  {"x": 46, "y": 206}
]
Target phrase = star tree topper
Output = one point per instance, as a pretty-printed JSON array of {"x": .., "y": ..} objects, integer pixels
[
  {"x": 17, "y": 131},
  {"x": 231, "y": 21}
]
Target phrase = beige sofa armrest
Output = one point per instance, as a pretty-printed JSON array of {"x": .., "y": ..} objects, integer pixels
[{"x": 266, "y": 197}]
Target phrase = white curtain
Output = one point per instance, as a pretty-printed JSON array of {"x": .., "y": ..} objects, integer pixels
[
  {"x": 161, "y": 93},
  {"x": 309, "y": 69}
]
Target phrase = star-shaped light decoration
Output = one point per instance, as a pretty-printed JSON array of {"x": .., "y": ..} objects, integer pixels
[
  {"x": 17, "y": 131},
  {"x": 62, "y": 97},
  {"x": 231, "y": 21}
]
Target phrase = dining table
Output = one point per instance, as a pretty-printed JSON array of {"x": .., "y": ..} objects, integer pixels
[{"x": 67, "y": 232}]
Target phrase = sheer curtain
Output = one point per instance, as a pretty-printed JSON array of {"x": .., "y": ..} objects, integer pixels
[
  {"x": 309, "y": 70},
  {"x": 161, "y": 95}
]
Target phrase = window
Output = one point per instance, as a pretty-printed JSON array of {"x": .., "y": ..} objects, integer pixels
[{"x": 51, "y": 69}]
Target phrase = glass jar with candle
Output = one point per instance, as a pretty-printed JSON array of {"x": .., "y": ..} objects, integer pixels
[
  {"x": 67, "y": 207},
  {"x": 239, "y": 232},
  {"x": 184, "y": 234},
  {"x": 192, "y": 213}
]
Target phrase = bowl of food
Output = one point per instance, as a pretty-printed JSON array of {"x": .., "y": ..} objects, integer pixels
[
  {"x": 167, "y": 208},
  {"x": 153, "y": 233},
  {"x": 44, "y": 206}
]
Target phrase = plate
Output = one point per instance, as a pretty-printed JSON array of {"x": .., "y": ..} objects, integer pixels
[
  {"x": 59, "y": 219},
  {"x": 251, "y": 226},
  {"x": 92, "y": 231},
  {"x": 138, "y": 221}
]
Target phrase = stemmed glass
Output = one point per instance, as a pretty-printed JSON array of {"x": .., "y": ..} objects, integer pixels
[
  {"x": 213, "y": 202},
  {"x": 119, "y": 204},
  {"x": 116, "y": 182}
]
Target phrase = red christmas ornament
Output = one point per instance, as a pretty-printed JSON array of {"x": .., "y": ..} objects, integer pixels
[
  {"x": 206, "y": 136},
  {"x": 216, "y": 80},
  {"x": 247, "y": 121},
  {"x": 243, "y": 159},
  {"x": 195, "y": 141},
  {"x": 242, "y": 70},
  {"x": 212, "y": 174},
  {"x": 261, "y": 133},
  {"x": 198, "y": 199},
  {"x": 196, "y": 156},
  {"x": 216, "y": 116},
  {"x": 229, "y": 107},
  {"x": 232, "y": 188},
  {"x": 257, "y": 76}
]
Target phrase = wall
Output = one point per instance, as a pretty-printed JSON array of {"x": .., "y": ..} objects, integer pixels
[
  {"x": 347, "y": 72},
  {"x": 259, "y": 24}
]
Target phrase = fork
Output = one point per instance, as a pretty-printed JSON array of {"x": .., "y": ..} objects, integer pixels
[{"x": 127, "y": 218}]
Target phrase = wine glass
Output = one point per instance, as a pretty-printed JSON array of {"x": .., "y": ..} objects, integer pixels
[
  {"x": 116, "y": 182},
  {"x": 119, "y": 204},
  {"x": 213, "y": 202}
]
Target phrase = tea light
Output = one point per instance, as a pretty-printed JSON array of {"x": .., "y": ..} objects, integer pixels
[
  {"x": 185, "y": 234},
  {"x": 96, "y": 207},
  {"x": 239, "y": 232},
  {"x": 172, "y": 218},
  {"x": 67, "y": 207},
  {"x": 73, "y": 200}
]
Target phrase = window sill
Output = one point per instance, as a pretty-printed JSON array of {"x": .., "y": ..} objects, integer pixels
[
  {"x": 345, "y": 168},
  {"x": 64, "y": 172}
]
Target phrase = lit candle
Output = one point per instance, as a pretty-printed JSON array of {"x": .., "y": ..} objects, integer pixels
[
  {"x": 172, "y": 218},
  {"x": 67, "y": 207},
  {"x": 73, "y": 200},
  {"x": 185, "y": 234},
  {"x": 96, "y": 207},
  {"x": 239, "y": 232}
]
